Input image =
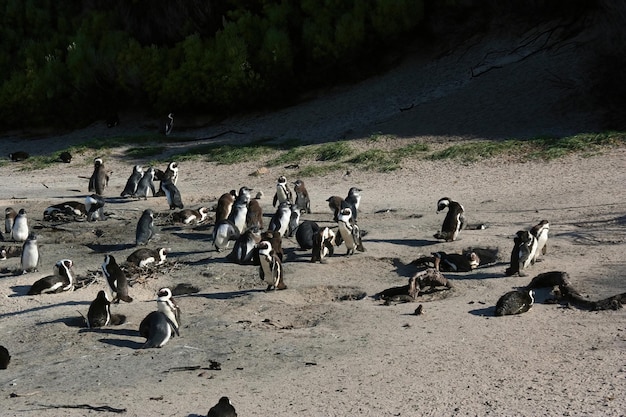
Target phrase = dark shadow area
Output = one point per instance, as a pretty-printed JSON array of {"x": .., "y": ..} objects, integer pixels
[
  {"x": 122, "y": 343},
  {"x": 228, "y": 295},
  {"x": 193, "y": 236},
  {"x": 112, "y": 331},
  {"x": 405, "y": 242},
  {"x": 404, "y": 270},
  {"x": 484, "y": 312},
  {"x": 106, "y": 248},
  {"x": 40, "y": 308},
  {"x": 75, "y": 321}
]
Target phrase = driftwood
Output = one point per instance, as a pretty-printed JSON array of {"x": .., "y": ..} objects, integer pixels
[
  {"x": 90, "y": 407},
  {"x": 564, "y": 292}
]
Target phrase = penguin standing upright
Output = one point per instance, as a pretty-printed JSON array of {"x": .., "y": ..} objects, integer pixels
[
  {"x": 62, "y": 279},
  {"x": 239, "y": 211},
  {"x": 294, "y": 221},
  {"x": 94, "y": 206},
  {"x": 145, "y": 227},
  {"x": 527, "y": 251},
  {"x": 243, "y": 250},
  {"x": 5, "y": 359},
  {"x": 145, "y": 185},
  {"x": 514, "y": 302},
  {"x": 305, "y": 233},
  {"x": 276, "y": 240},
  {"x": 280, "y": 220},
  {"x": 19, "y": 231},
  {"x": 9, "y": 219},
  {"x": 118, "y": 284},
  {"x": 99, "y": 313},
  {"x": 169, "y": 124},
  {"x": 99, "y": 179},
  {"x": 335, "y": 203},
  {"x": 454, "y": 221},
  {"x": 540, "y": 232},
  {"x": 174, "y": 199},
  {"x": 283, "y": 194},
  {"x": 225, "y": 205},
  {"x": 303, "y": 203},
  {"x": 170, "y": 173},
  {"x": 271, "y": 269},
  {"x": 133, "y": 182},
  {"x": 224, "y": 231},
  {"x": 30, "y": 254},
  {"x": 254, "y": 215},
  {"x": 159, "y": 326},
  {"x": 323, "y": 244},
  {"x": 223, "y": 408},
  {"x": 352, "y": 201},
  {"x": 350, "y": 232}
]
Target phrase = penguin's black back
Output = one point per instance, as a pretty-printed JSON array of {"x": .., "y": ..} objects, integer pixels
[{"x": 513, "y": 302}]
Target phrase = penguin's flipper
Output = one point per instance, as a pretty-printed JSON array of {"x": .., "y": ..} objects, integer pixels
[
  {"x": 275, "y": 200},
  {"x": 544, "y": 250}
]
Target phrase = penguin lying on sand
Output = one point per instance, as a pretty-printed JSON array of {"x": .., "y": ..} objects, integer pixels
[
  {"x": 514, "y": 302},
  {"x": 62, "y": 279}
]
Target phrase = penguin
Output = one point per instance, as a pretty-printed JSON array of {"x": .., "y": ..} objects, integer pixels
[
  {"x": 68, "y": 208},
  {"x": 454, "y": 221},
  {"x": 5, "y": 359},
  {"x": 305, "y": 233},
  {"x": 19, "y": 231},
  {"x": 283, "y": 194},
  {"x": 170, "y": 173},
  {"x": 188, "y": 216},
  {"x": 133, "y": 182},
  {"x": 276, "y": 240},
  {"x": 514, "y": 264},
  {"x": 335, "y": 203},
  {"x": 62, "y": 279},
  {"x": 145, "y": 228},
  {"x": 99, "y": 179},
  {"x": 540, "y": 232},
  {"x": 169, "y": 124},
  {"x": 239, "y": 211},
  {"x": 116, "y": 279},
  {"x": 271, "y": 269},
  {"x": 350, "y": 232},
  {"x": 65, "y": 157},
  {"x": 145, "y": 184},
  {"x": 243, "y": 250},
  {"x": 280, "y": 220},
  {"x": 514, "y": 302},
  {"x": 254, "y": 215},
  {"x": 99, "y": 313},
  {"x": 159, "y": 326},
  {"x": 172, "y": 194},
  {"x": 455, "y": 262},
  {"x": 30, "y": 254},
  {"x": 225, "y": 205},
  {"x": 323, "y": 244},
  {"x": 10, "y": 252},
  {"x": 352, "y": 201},
  {"x": 223, "y": 408},
  {"x": 144, "y": 256},
  {"x": 303, "y": 203},
  {"x": 94, "y": 206},
  {"x": 294, "y": 221},
  {"x": 223, "y": 232},
  {"x": 9, "y": 219},
  {"x": 19, "y": 156},
  {"x": 527, "y": 251}
]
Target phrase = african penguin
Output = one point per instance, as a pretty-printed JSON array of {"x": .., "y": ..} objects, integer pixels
[
  {"x": 5, "y": 359},
  {"x": 145, "y": 227},
  {"x": 144, "y": 256},
  {"x": 455, "y": 262},
  {"x": 514, "y": 302},
  {"x": 65, "y": 157},
  {"x": 30, "y": 254},
  {"x": 146, "y": 184},
  {"x": 303, "y": 203},
  {"x": 294, "y": 221},
  {"x": 350, "y": 232},
  {"x": 271, "y": 269},
  {"x": 170, "y": 173},
  {"x": 99, "y": 179},
  {"x": 172, "y": 193},
  {"x": 133, "y": 182},
  {"x": 540, "y": 231},
  {"x": 323, "y": 244},
  {"x": 68, "y": 208},
  {"x": 94, "y": 206},
  {"x": 335, "y": 203},
  {"x": 223, "y": 408},
  {"x": 9, "y": 219},
  {"x": 352, "y": 201},
  {"x": 99, "y": 313},
  {"x": 223, "y": 232},
  {"x": 118, "y": 284},
  {"x": 305, "y": 233},
  {"x": 189, "y": 216},
  {"x": 169, "y": 124},
  {"x": 18, "y": 156},
  {"x": 280, "y": 220},
  {"x": 159, "y": 326},
  {"x": 62, "y": 279},
  {"x": 527, "y": 250},
  {"x": 283, "y": 194},
  {"x": 454, "y": 220},
  {"x": 19, "y": 231},
  {"x": 239, "y": 214},
  {"x": 254, "y": 215},
  {"x": 243, "y": 250},
  {"x": 224, "y": 205},
  {"x": 276, "y": 240}
]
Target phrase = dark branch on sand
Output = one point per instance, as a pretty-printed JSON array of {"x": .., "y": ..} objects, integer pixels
[{"x": 105, "y": 408}]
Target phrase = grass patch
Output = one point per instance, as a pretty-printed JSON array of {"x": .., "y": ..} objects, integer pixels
[
  {"x": 334, "y": 151},
  {"x": 145, "y": 152},
  {"x": 292, "y": 156},
  {"x": 226, "y": 154},
  {"x": 319, "y": 170},
  {"x": 377, "y": 159}
]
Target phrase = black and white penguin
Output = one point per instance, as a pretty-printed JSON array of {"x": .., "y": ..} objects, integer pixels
[
  {"x": 225, "y": 205},
  {"x": 118, "y": 284},
  {"x": 303, "y": 203},
  {"x": 271, "y": 269},
  {"x": 527, "y": 251},
  {"x": 280, "y": 220},
  {"x": 283, "y": 194},
  {"x": 144, "y": 256},
  {"x": 172, "y": 193},
  {"x": 323, "y": 244},
  {"x": 68, "y": 208},
  {"x": 94, "y": 206},
  {"x": 146, "y": 184},
  {"x": 169, "y": 124},
  {"x": 145, "y": 227},
  {"x": 540, "y": 232},
  {"x": 276, "y": 240},
  {"x": 19, "y": 156},
  {"x": 223, "y": 232},
  {"x": 455, "y": 262},
  {"x": 514, "y": 302},
  {"x": 189, "y": 216},
  {"x": 99, "y": 313},
  {"x": 170, "y": 173},
  {"x": 454, "y": 221},
  {"x": 223, "y": 408},
  {"x": 99, "y": 179},
  {"x": 294, "y": 221},
  {"x": 254, "y": 215},
  {"x": 336, "y": 203},
  {"x": 9, "y": 218},
  {"x": 5, "y": 359},
  {"x": 62, "y": 279},
  {"x": 20, "y": 231},
  {"x": 159, "y": 326},
  {"x": 243, "y": 250},
  {"x": 350, "y": 232},
  {"x": 30, "y": 254},
  {"x": 352, "y": 201},
  {"x": 133, "y": 182},
  {"x": 65, "y": 157},
  {"x": 305, "y": 233}
]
